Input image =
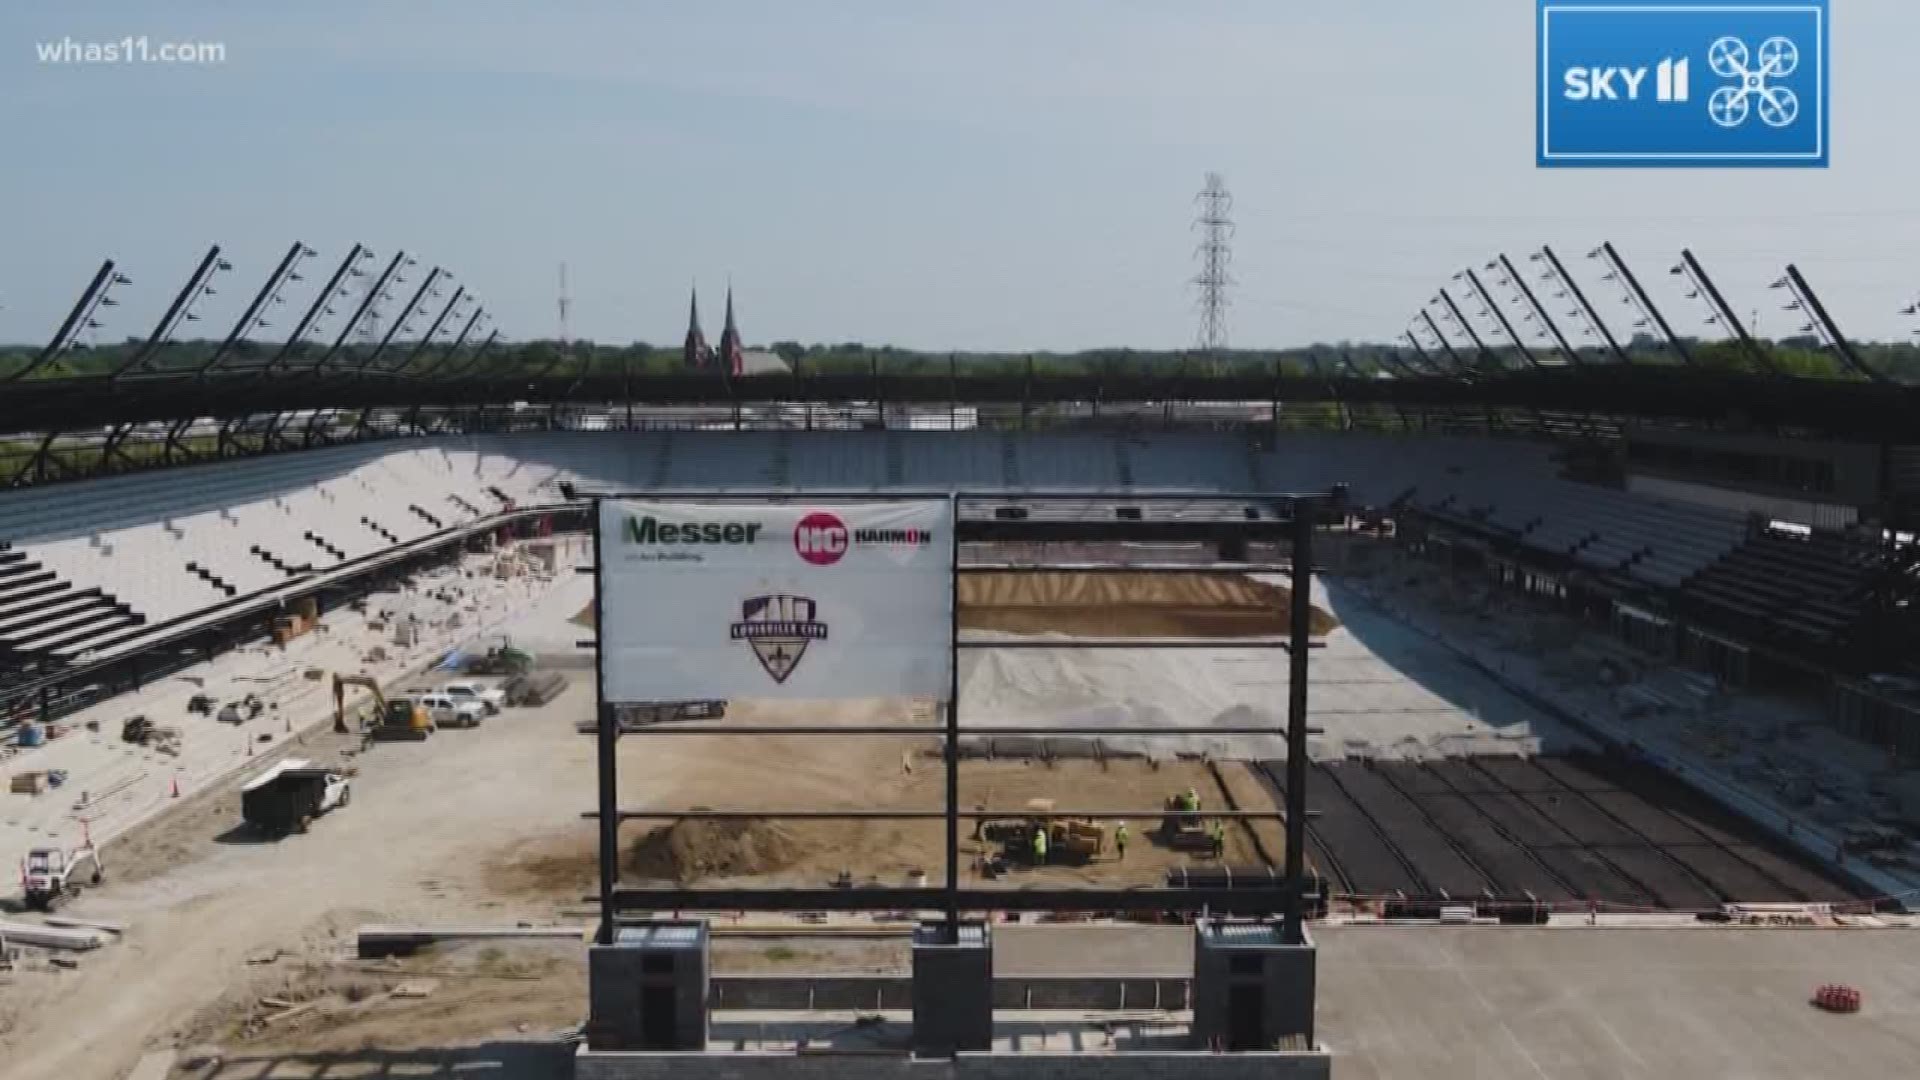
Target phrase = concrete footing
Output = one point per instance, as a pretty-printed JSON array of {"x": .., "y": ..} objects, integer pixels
[
  {"x": 604, "y": 1065},
  {"x": 375, "y": 942}
]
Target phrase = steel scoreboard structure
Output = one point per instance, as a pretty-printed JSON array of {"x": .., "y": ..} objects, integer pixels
[{"x": 1231, "y": 521}]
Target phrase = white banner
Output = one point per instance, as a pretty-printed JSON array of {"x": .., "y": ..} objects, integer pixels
[{"x": 736, "y": 600}]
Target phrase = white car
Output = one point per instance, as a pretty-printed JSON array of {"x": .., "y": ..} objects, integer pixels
[
  {"x": 448, "y": 711},
  {"x": 493, "y": 698}
]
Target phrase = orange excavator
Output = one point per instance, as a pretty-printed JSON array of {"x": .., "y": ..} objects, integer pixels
[{"x": 397, "y": 719}]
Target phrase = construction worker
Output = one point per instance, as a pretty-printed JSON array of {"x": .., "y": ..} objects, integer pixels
[
  {"x": 1217, "y": 832},
  {"x": 1120, "y": 838},
  {"x": 1190, "y": 802},
  {"x": 1039, "y": 845}
]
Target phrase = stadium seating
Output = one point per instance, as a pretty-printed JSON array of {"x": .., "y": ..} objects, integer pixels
[
  {"x": 1793, "y": 587},
  {"x": 42, "y": 610},
  {"x": 164, "y": 546},
  {"x": 149, "y": 549}
]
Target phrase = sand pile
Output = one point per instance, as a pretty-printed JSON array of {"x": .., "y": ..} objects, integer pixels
[
  {"x": 1128, "y": 605},
  {"x": 690, "y": 849},
  {"x": 1157, "y": 688}
]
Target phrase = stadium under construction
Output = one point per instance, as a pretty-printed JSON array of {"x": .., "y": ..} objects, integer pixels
[{"x": 1564, "y": 641}]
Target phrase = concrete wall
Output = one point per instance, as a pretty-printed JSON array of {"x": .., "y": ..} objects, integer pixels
[
  {"x": 1819, "y": 515},
  {"x": 1856, "y": 466},
  {"x": 884, "y": 993},
  {"x": 601, "y": 1065}
]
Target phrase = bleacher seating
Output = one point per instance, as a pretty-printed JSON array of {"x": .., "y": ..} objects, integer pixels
[
  {"x": 1789, "y": 587},
  {"x": 164, "y": 546},
  {"x": 41, "y": 610},
  {"x": 169, "y": 545}
]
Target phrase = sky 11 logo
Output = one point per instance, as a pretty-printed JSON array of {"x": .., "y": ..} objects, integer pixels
[
  {"x": 1701, "y": 83},
  {"x": 1670, "y": 82}
]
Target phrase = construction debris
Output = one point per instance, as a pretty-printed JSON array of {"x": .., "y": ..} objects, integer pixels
[
  {"x": 74, "y": 922},
  {"x": 416, "y": 988},
  {"x": 51, "y": 937},
  {"x": 295, "y": 1010}
]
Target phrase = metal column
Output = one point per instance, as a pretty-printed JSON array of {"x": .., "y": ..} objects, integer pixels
[
  {"x": 1300, "y": 609},
  {"x": 607, "y": 740}
]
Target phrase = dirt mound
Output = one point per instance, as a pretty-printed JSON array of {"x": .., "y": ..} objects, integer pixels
[
  {"x": 1129, "y": 605},
  {"x": 690, "y": 849}
]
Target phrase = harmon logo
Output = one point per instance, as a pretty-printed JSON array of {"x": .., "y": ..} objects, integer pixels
[{"x": 822, "y": 538}]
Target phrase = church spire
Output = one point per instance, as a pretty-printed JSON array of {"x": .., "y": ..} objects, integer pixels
[
  {"x": 695, "y": 353},
  {"x": 732, "y": 355}
]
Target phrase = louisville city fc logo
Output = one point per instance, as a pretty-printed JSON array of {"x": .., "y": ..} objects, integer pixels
[{"x": 778, "y": 628}]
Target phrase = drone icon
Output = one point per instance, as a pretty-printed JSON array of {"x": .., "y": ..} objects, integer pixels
[{"x": 1778, "y": 106}]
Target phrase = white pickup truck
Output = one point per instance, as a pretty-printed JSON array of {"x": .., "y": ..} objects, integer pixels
[
  {"x": 492, "y": 698},
  {"x": 448, "y": 711}
]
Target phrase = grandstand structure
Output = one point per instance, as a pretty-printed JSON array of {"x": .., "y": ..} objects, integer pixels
[{"x": 1621, "y": 491}]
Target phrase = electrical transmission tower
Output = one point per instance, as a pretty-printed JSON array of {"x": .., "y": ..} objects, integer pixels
[
  {"x": 566, "y": 306},
  {"x": 1214, "y": 221}
]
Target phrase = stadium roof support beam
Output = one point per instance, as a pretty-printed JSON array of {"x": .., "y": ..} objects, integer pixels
[
  {"x": 1723, "y": 310},
  {"x": 1846, "y": 407},
  {"x": 453, "y": 349},
  {"x": 77, "y": 319},
  {"x": 1638, "y": 297},
  {"x": 400, "y": 258},
  {"x": 40, "y": 464},
  {"x": 398, "y": 322},
  {"x": 1427, "y": 361},
  {"x": 1460, "y": 317},
  {"x": 318, "y": 307},
  {"x": 1829, "y": 329},
  {"x": 477, "y": 354},
  {"x": 426, "y": 339},
  {"x": 1520, "y": 285},
  {"x": 269, "y": 290},
  {"x": 1346, "y": 361},
  {"x": 175, "y": 314},
  {"x": 1458, "y": 364},
  {"x": 1506, "y": 325},
  {"x": 1573, "y": 290}
]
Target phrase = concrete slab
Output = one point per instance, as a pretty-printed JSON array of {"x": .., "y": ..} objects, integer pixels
[{"x": 1482, "y": 1004}]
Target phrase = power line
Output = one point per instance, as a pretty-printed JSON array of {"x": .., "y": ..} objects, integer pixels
[{"x": 1215, "y": 252}]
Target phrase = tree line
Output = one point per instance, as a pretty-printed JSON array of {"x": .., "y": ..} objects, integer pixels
[{"x": 1794, "y": 356}]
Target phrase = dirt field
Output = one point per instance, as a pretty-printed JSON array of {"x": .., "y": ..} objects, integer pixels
[{"x": 806, "y": 773}]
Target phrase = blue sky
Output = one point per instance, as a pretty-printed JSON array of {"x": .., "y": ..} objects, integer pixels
[{"x": 978, "y": 175}]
